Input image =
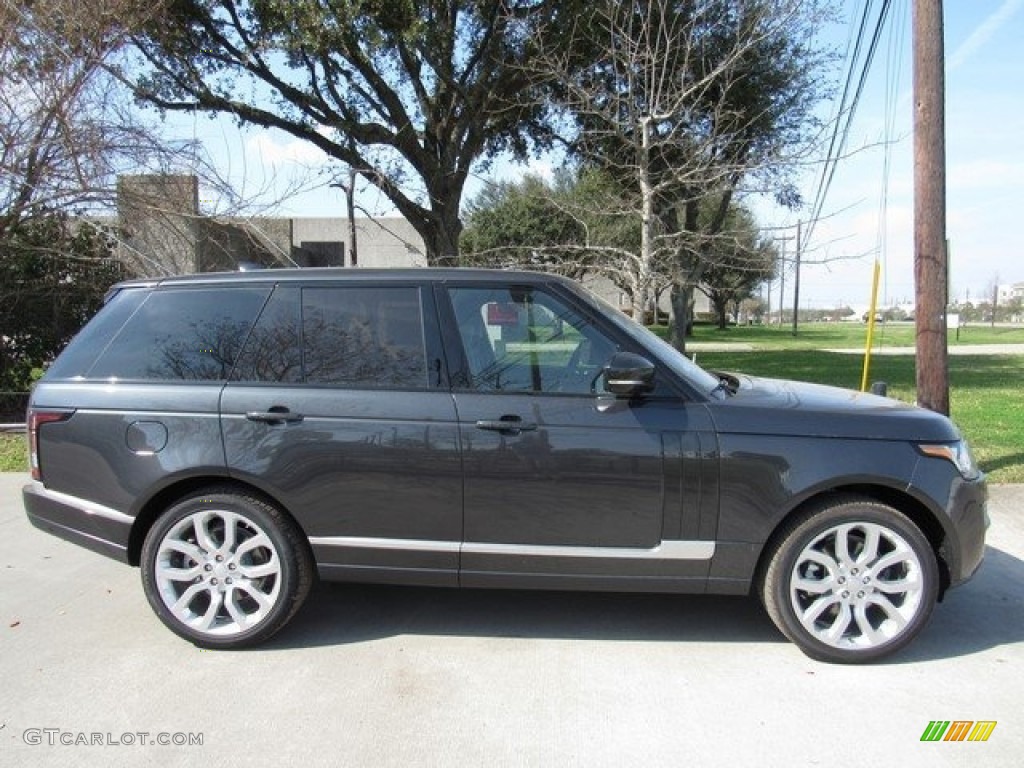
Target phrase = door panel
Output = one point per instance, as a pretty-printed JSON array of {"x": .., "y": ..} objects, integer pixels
[
  {"x": 563, "y": 481},
  {"x": 339, "y": 412},
  {"x": 360, "y": 464},
  {"x": 580, "y": 477}
]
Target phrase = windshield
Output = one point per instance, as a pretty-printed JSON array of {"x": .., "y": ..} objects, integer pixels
[{"x": 680, "y": 364}]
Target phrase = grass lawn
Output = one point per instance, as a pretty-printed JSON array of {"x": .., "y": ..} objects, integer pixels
[
  {"x": 986, "y": 391},
  {"x": 13, "y": 453},
  {"x": 845, "y": 335}
]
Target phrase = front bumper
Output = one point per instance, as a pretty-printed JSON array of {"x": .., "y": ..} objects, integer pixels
[
  {"x": 79, "y": 521},
  {"x": 968, "y": 513}
]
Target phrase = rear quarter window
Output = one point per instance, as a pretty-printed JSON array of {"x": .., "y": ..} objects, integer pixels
[
  {"x": 176, "y": 334},
  {"x": 81, "y": 352}
]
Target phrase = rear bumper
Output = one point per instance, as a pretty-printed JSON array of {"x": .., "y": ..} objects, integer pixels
[{"x": 79, "y": 521}]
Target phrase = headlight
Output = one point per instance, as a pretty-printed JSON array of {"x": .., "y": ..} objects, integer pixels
[{"x": 958, "y": 453}]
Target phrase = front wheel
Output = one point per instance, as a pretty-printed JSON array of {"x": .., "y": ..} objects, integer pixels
[
  {"x": 224, "y": 569},
  {"x": 851, "y": 581}
]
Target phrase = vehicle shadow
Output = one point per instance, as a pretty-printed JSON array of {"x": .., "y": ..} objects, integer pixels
[
  {"x": 982, "y": 614},
  {"x": 978, "y": 616},
  {"x": 348, "y": 613},
  {"x": 1003, "y": 461}
]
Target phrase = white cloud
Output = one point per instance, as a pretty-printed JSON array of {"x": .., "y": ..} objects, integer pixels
[
  {"x": 982, "y": 33},
  {"x": 542, "y": 168},
  {"x": 293, "y": 152},
  {"x": 984, "y": 175}
]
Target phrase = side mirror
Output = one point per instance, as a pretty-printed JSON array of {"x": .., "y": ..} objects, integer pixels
[{"x": 628, "y": 374}]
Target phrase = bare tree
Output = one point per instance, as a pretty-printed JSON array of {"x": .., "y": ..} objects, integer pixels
[
  {"x": 684, "y": 103},
  {"x": 69, "y": 129},
  {"x": 66, "y": 128},
  {"x": 993, "y": 291}
]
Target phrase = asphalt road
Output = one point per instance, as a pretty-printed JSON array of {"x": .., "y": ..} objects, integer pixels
[{"x": 387, "y": 676}]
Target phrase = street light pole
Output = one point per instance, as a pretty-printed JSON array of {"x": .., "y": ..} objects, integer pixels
[
  {"x": 796, "y": 282},
  {"x": 782, "y": 277},
  {"x": 349, "y": 191}
]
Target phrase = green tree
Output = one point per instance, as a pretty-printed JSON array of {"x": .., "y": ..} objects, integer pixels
[
  {"x": 737, "y": 260},
  {"x": 525, "y": 224},
  {"x": 53, "y": 275},
  {"x": 568, "y": 225},
  {"x": 408, "y": 95}
]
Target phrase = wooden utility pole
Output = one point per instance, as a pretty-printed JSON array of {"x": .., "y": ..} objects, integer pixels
[{"x": 930, "y": 264}]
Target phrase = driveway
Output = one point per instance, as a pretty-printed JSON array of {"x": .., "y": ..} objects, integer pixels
[{"x": 389, "y": 676}]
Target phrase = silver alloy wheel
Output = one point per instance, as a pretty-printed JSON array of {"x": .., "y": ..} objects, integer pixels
[
  {"x": 857, "y": 586},
  {"x": 218, "y": 572}
]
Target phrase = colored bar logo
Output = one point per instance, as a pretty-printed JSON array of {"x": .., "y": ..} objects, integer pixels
[{"x": 959, "y": 730}]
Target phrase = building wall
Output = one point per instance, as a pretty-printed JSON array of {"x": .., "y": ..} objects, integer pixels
[
  {"x": 383, "y": 242},
  {"x": 158, "y": 218},
  {"x": 165, "y": 234}
]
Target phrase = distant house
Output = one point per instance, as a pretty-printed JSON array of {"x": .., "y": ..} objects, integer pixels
[{"x": 1009, "y": 292}]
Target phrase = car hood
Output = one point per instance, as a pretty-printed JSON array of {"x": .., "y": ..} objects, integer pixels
[{"x": 778, "y": 407}]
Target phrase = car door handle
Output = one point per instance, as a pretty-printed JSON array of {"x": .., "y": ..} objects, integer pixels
[
  {"x": 276, "y": 415},
  {"x": 507, "y": 425}
]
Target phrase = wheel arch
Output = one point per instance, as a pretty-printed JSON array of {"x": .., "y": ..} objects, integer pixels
[
  {"x": 917, "y": 511},
  {"x": 157, "y": 504}
]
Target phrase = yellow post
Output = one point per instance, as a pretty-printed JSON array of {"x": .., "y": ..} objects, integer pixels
[{"x": 871, "y": 327}]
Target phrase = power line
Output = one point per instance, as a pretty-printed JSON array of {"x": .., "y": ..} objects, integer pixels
[
  {"x": 838, "y": 143},
  {"x": 840, "y": 109}
]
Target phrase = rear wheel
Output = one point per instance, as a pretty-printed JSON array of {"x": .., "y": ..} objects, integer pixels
[
  {"x": 224, "y": 569},
  {"x": 851, "y": 581}
]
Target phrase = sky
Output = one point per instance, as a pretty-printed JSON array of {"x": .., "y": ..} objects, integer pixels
[{"x": 864, "y": 216}]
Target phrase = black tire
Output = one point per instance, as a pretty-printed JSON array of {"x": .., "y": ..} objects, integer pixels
[
  {"x": 854, "y": 602},
  {"x": 224, "y": 569}
]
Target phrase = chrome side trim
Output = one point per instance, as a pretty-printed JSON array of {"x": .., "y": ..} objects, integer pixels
[
  {"x": 667, "y": 550},
  {"x": 83, "y": 505},
  {"x": 365, "y": 542}
]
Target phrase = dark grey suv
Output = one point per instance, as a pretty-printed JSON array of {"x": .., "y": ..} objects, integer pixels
[{"x": 237, "y": 435}]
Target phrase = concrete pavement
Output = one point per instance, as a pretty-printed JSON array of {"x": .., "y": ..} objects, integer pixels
[
  {"x": 956, "y": 350},
  {"x": 388, "y": 676}
]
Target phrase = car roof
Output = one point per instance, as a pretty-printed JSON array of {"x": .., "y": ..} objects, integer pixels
[{"x": 346, "y": 274}]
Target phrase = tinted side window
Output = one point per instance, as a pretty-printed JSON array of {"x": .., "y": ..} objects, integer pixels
[
  {"x": 81, "y": 353},
  {"x": 273, "y": 352},
  {"x": 363, "y": 336},
  {"x": 183, "y": 334}
]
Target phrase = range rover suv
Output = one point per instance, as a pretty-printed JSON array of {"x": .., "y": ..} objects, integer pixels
[{"x": 239, "y": 435}]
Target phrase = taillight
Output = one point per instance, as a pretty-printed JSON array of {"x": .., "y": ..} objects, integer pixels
[{"x": 36, "y": 419}]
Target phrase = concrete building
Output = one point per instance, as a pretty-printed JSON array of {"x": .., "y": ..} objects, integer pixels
[{"x": 162, "y": 232}]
